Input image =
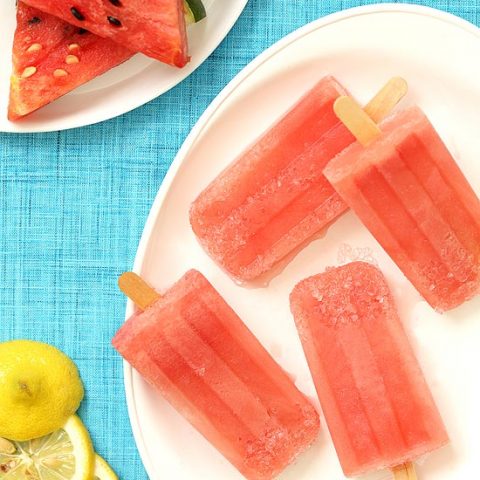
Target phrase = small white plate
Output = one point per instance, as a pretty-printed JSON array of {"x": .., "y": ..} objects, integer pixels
[
  {"x": 123, "y": 88},
  {"x": 438, "y": 54}
]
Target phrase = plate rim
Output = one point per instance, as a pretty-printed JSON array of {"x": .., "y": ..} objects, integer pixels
[
  {"x": 201, "y": 124},
  {"x": 109, "y": 114}
]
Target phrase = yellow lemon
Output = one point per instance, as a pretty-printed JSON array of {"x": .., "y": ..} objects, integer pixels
[
  {"x": 103, "y": 471},
  {"x": 40, "y": 389},
  {"x": 65, "y": 454}
]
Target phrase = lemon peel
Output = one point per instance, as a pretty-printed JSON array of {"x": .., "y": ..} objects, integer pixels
[{"x": 40, "y": 388}]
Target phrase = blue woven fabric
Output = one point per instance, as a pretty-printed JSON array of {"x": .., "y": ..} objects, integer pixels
[{"x": 73, "y": 205}]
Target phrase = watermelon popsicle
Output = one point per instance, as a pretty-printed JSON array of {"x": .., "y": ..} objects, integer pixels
[
  {"x": 407, "y": 189},
  {"x": 378, "y": 407},
  {"x": 192, "y": 347},
  {"x": 274, "y": 197}
]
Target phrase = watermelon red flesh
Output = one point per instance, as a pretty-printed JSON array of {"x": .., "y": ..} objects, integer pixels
[
  {"x": 42, "y": 43},
  {"x": 155, "y": 28}
]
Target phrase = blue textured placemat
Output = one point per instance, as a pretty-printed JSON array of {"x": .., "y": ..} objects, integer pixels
[{"x": 73, "y": 205}]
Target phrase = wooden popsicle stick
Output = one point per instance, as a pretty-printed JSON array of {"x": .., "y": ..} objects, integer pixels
[
  {"x": 363, "y": 122},
  {"x": 356, "y": 120},
  {"x": 386, "y": 99},
  {"x": 137, "y": 290},
  {"x": 405, "y": 471}
]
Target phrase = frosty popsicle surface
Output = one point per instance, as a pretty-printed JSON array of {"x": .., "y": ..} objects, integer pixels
[
  {"x": 378, "y": 407},
  {"x": 274, "y": 196},
  {"x": 407, "y": 189},
  {"x": 273, "y": 199},
  {"x": 193, "y": 348}
]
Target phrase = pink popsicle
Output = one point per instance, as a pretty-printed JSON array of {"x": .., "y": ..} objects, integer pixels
[
  {"x": 377, "y": 405},
  {"x": 274, "y": 197},
  {"x": 192, "y": 347},
  {"x": 410, "y": 193}
]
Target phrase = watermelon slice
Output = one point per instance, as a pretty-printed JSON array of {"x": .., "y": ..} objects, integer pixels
[
  {"x": 156, "y": 27},
  {"x": 51, "y": 58}
]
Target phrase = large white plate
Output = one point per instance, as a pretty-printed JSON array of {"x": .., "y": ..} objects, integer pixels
[
  {"x": 122, "y": 89},
  {"x": 438, "y": 54}
]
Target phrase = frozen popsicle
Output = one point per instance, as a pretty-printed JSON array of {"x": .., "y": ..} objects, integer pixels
[
  {"x": 407, "y": 189},
  {"x": 274, "y": 197},
  {"x": 378, "y": 407},
  {"x": 192, "y": 347}
]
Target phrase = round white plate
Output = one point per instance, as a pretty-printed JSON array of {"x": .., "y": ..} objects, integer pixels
[
  {"x": 438, "y": 54},
  {"x": 123, "y": 88}
]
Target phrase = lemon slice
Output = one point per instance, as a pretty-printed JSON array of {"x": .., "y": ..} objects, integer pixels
[
  {"x": 103, "y": 471},
  {"x": 66, "y": 454}
]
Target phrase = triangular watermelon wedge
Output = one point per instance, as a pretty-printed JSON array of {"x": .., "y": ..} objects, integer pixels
[
  {"x": 153, "y": 27},
  {"x": 52, "y": 57}
]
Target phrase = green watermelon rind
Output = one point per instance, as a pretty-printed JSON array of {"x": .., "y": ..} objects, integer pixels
[{"x": 195, "y": 11}]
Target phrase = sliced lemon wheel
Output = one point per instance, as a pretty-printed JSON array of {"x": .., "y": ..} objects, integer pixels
[
  {"x": 66, "y": 454},
  {"x": 103, "y": 471}
]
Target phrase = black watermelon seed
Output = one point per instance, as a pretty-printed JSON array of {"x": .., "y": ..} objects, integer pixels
[
  {"x": 82, "y": 31},
  {"x": 117, "y": 3},
  {"x": 77, "y": 14},
  {"x": 34, "y": 20},
  {"x": 114, "y": 21}
]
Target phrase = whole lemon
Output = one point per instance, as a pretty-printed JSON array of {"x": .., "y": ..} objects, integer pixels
[{"x": 40, "y": 388}]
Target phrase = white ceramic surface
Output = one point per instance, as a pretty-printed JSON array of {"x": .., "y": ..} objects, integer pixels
[
  {"x": 438, "y": 54},
  {"x": 123, "y": 88}
]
